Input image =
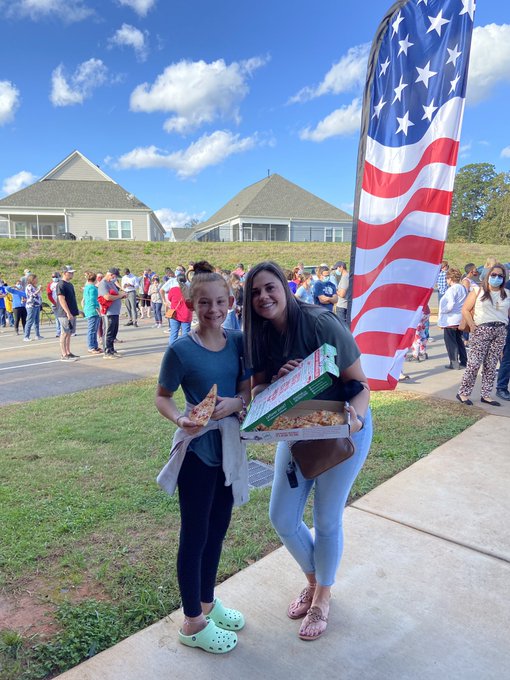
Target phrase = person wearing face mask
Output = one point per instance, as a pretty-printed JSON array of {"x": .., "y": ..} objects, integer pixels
[
  {"x": 50, "y": 294},
  {"x": 486, "y": 312},
  {"x": 324, "y": 291},
  {"x": 19, "y": 309}
]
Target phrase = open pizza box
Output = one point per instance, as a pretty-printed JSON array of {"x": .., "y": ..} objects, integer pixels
[{"x": 292, "y": 396}]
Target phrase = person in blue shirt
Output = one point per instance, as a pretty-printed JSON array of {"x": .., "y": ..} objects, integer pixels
[
  {"x": 324, "y": 290},
  {"x": 208, "y": 463},
  {"x": 19, "y": 309},
  {"x": 3, "y": 294}
]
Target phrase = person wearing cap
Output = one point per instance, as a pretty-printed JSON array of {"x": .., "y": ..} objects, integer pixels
[
  {"x": 341, "y": 277},
  {"x": 67, "y": 311},
  {"x": 108, "y": 291},
  {"x": 51, "y": 295}
]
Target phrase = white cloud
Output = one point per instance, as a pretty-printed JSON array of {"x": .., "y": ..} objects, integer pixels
[
  {"x": 9, "y": 101},
  {"x": 141, "y": 7},
  {"x": 346, "y": 75},
  {"x": 172, "y": 218},
  {"x": 505, "y": 153},
  {"x": 196, "y": 92},
  {"x": 490, "y": 60},
  {"x": 344, "y": 121},
  {"x": 465, "y": 150},
  {"x": 16, "y": 182},
  {"x": 207, "y": 150},
  {"x": 130, "y": 36},
  {"x": 67, "y": 91},
  {"x": 67, "y": 10}
]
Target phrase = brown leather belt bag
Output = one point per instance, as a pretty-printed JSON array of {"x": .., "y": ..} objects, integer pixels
[{"x": 316, "y": 456}]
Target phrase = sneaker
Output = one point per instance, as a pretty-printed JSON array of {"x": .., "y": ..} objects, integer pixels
[
  {"x": 135, "y": 324},
  {"x": 27, "y": 339},
  {"x": 166, "y": 331},
  {"x": 40, "y": 337},
  {"x": 129, "y": 323},
  {"x": 503, "y": 394},
  {"x": 69, "y": 357},
  {"x": 109, "y": 355},
  {"x": 73, "y": 356}
]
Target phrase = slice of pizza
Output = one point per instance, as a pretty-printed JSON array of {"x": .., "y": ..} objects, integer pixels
[{"x": 201, "y": 413}]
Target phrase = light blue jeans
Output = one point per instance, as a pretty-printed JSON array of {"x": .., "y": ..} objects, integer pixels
[
  {"x": 33, "y": 314},
  {"x": 319, "y": 555},
  {"x": 175, "y": 326},
  {"x": 57, "y": 321}
]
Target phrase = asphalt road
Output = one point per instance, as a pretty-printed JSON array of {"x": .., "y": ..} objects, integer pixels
[{"x": 30, "y": 370}]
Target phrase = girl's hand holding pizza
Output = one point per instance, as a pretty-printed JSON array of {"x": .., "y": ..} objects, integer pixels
[{"x": 188, "y": 425}]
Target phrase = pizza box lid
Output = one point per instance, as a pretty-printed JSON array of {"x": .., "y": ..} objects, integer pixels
[
  {"x": 310, "y": 378},
  {"x": 302, "y": 433}
]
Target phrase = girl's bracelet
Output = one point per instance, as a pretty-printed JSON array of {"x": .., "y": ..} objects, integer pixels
[
  {"x": 177, "y": 421},
  {"x": 242, "y": 412}
]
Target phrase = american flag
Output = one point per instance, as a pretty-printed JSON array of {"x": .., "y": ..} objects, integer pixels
[{"x": 411, "y": 123}]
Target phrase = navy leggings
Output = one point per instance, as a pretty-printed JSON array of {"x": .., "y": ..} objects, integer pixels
[{"x": 206, "y": 508}]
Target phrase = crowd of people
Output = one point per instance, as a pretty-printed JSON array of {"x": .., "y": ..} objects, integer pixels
[
  {"x": 473, "y": 311},
  {"x": 243, "y": 330}
]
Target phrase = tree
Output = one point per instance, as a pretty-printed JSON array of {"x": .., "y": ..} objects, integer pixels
[
  {"x": 191, "y": 223},
  {"x": 495, "y": 227},
  {"x": 472, "y": 194}
]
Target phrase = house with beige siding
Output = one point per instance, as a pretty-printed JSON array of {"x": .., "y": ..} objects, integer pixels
[
  {"x": 273, "y": 209},
  {"x": 77, "y": 199}
]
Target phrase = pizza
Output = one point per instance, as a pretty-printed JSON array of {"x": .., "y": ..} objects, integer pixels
[
  {"x": 201, "y": 413},
  {"x": 322, "y": 418}
]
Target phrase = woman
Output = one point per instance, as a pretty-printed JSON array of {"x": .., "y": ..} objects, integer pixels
[
  {"x": 91, "y": 309},
  {"x": 156, "y": 301},
  {"x": 304, "y": 291},
  {"x": 280, "y": 331},
  {"x": 486, "y": 312},
  {"x": 236, "y": 292},
  {"x": 33, "y": 304},
  {"x": 450, "y": 316},
  {"x": 182, "y": 317}
]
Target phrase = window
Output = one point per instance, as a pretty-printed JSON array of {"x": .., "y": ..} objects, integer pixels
[
  {"x": 20, "y": 229},
  {"x": 4, "y": 227},
  {"x": 120, "y": 229},
  {"x": 328, "y": 234}
]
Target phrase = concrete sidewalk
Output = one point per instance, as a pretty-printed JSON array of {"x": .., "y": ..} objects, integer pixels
[{"x": 422, "y": 591}]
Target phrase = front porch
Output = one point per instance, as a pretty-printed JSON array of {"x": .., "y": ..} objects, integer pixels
[{"x": 32, "y": 226}]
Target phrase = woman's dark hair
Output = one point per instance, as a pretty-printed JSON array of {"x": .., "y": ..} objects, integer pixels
[
  {"x": 486, "y": 286},
  {"x": 203, "y": 272},
  {"x": 255, "y": 328}
]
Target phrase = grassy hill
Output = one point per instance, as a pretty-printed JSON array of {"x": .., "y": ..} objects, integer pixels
[{"x": 44, "y": 257}]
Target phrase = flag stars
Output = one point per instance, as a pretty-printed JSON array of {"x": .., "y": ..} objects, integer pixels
[
  {"x": 384, "y": 67},
  {"x": 398, "y": 90},
  {"x": 425, "y": 74},
  {"x": 404, "y": 45},
  {"x": 436, "y": 23},
  {"x": 469, "y": 7},
  {"x": 454, "y": 83},
  {"x": 378, "y": 108},
  {"x": 397, "y": 23},
  {"x": 454, "y": 55},
  {"x": 404, "y": 123},
  {"x": 425, "y": 2},
  {"x": 429, "y": 111}
]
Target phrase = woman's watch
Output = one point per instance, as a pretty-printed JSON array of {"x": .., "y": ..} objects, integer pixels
[{"x": 361, "y": 420}]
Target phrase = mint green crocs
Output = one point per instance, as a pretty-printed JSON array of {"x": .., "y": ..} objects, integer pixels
[
  {"x": 211, "y": 639},
  {"x": 228, "y": 619}
]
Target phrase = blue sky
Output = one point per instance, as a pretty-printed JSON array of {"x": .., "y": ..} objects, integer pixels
[{"x": 186, "y": 103}]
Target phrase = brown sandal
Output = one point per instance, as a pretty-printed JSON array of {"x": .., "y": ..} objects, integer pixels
[
  {"x": 300, "y": 606},
  {"x": 314, "y": 615}
]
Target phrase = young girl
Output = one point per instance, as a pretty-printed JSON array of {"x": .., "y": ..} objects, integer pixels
[
  {"x": 208, "y": 464},
  {"x": 304, "y": 291},
  {"x": 156, "y": 301},
  {"x": 279, "y": 332}
]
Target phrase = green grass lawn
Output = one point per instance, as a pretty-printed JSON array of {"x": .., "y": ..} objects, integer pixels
[{"x": 90, "y": 540}]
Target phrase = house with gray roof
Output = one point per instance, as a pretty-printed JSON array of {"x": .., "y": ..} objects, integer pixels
[
  {"x": 77, "y": 199},
  {"x": 275, "y": 209}
]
